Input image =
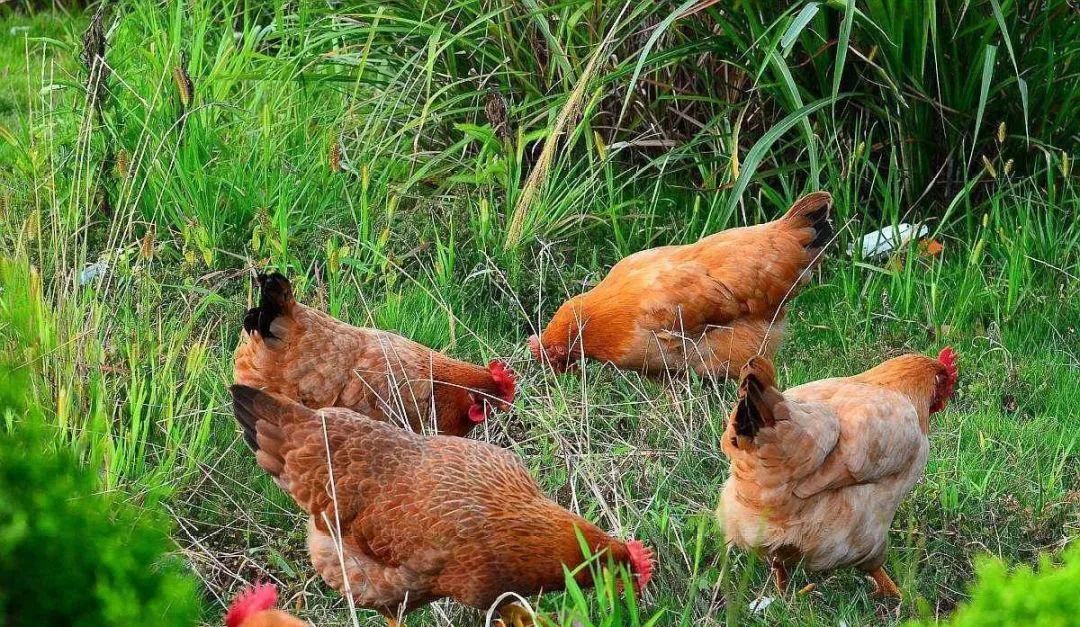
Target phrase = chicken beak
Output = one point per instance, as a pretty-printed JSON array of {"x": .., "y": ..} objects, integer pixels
[{"x": 554, "y": 357}]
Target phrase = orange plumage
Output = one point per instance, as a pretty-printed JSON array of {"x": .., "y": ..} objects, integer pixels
[
  {"x": 708, "y": 306},
  {"x": 418, "y": 517},
  {"x": 308, "y": 356},
  {"x": 818, "y": 471}
]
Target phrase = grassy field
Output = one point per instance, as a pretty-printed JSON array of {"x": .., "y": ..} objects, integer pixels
[{"x": 452, "y": 171}]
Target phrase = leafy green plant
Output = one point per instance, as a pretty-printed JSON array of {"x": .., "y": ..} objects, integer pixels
[
  {"x": 70, "y": 555},
  {"x": 1021, "y": 595}
]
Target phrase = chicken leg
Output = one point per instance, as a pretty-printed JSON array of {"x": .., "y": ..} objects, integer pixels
[
  {"x": 514, "y": 615},
  {"x": 883, "y": 584},
  {"x": 780, "y": 575}
]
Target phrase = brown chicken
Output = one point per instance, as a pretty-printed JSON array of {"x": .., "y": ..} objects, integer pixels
[
  {"x": 818, "y": 471},
  {"x": 420, "y": 517},
  {"x": 308, "y": 356},
  {"x": 707, "y": 307},
  {"x": 254, "y": 607}
]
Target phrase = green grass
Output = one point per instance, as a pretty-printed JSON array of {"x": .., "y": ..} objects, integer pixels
[{"x": 353, "y": 150}]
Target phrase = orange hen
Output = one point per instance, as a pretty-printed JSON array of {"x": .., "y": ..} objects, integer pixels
[
  {"x": 254, "y": 607},
  {"x": 818, "y": 471},
  {"x": 419, "y": 517},
  {"x": 707, "y": 307},
  {"x": 308, "y": 356}
]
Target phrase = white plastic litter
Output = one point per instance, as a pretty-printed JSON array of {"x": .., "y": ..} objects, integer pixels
[
  {"x": 888, "y": 239},
  {"x": 760, "y": 604},
  {"x": 93, "y": 271}
]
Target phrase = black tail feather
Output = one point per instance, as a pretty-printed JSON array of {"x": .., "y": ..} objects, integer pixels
[
  {"x": 251, "y": 319},
  {"x": 757, "y": 398},
  {"x": 275, "y": 295},
  {"x": 814, "y": 210},
  {"x": 749, "y": 417},
  {"x": 823, "y": 228}
]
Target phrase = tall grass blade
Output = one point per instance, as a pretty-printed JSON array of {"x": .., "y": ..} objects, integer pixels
[
  {"x": 792, "y": 91},
  {"x": 791, "y": 35},
  {"x": 1020, "y": 83},
  {"x": 569, "y": 112},
  {"x": 984, "y": 91},
  {"x": 643, "y": 55},
  {"x": 842, "y": 48},
  {"x": 761, "y": 147}
]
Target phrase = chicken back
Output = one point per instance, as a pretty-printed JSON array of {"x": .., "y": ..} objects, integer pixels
[
  {"x": 707, "y": 307},
  {"x": 818, "y": 471},
  {"x": 308, "y": 356},
  {"x": 419, "y": 517}
]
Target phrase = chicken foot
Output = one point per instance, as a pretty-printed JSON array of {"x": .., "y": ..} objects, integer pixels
[{"x": 883, "y": 584}]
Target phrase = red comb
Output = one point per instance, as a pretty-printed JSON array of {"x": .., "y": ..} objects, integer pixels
[
  {"x": 251, "y": 601},
  {"x": 947, "y": 357},
  {"x": 504, "y": 379},
  {"x": 641, "y": 563}
]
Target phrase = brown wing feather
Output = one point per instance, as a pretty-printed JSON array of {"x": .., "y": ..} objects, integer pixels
[
  {"x": 880, "y": 435},
  {"x": 291, "y": 443}
]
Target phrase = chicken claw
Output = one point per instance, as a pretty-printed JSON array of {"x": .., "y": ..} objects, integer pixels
[
  {"x": 884, "y": 587},
  {"x": 808, "y": 588}
]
